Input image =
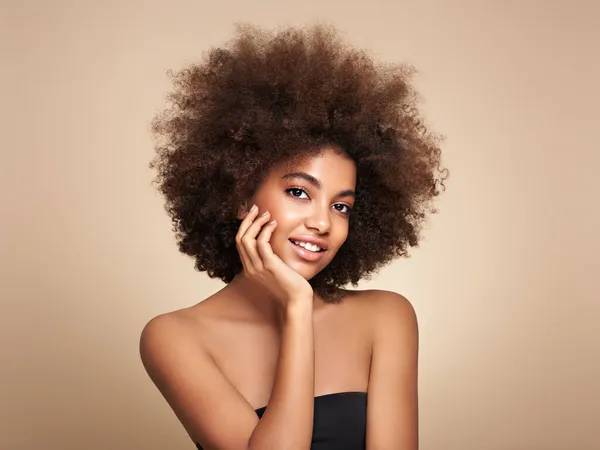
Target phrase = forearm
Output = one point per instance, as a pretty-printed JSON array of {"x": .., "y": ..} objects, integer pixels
[{"x": 287, "y": 423}]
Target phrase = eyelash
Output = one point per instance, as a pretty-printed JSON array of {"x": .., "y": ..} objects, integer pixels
[{"x": 297, "y": 188}]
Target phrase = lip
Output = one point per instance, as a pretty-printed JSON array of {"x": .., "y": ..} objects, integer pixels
[{"x": 305, "y": 254}]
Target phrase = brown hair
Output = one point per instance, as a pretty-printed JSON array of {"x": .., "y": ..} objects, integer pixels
[{"x": 268, "y": 97}]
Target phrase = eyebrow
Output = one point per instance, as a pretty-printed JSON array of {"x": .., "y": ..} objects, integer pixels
[{"x": 312, "y": 180}]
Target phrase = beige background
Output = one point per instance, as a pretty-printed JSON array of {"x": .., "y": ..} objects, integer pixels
[{"x": 504, "y": 284}]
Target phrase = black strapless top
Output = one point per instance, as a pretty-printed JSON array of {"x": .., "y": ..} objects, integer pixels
[{"x": 340, "y": 421}]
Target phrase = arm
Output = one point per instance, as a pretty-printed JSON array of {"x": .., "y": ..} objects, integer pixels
[
  {"x": 288, "y": 421},
  {"x": 212, "y": 411},
  {"x": 392, "y": 413}
]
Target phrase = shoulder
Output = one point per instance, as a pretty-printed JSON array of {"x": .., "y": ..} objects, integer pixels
[
  {"x": 393, "y": 375},
  {"x": 167, "y": 334},
  {"x": 383, "y": 306},
  {"x": 391, "y": 305},
  {"x": 185, "y": 323},
  {"x": 173, "y": 351},
  {"x": 187, "y": 330},
  {"x": 169, "y": 325},
  {"x": 390, "y": 314}
]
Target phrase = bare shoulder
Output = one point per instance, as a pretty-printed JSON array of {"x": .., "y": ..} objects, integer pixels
[
  {"x": 389, "y": 303},
  {"x": 379, "y": 304},
  {"x": 392, "y": 420},
  {"x": 184, "y": 327},
  {"x": 174, "y": 353},
  {"x": 385, "y": 311},
  {"x": 185, "y": 323},
  {"x": 171, "y": 325},
  {"x": 161, "y": 335}
]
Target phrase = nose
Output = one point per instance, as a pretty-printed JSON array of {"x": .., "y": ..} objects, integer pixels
[{"x": 319, "y": 219}]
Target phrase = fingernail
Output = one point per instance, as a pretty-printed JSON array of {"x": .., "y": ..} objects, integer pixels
[
  {"x": 253, "y": 208},
  {"x": 264, "y": 214}
]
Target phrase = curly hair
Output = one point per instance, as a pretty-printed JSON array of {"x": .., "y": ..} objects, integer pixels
[{"x": 268, "y": 97}]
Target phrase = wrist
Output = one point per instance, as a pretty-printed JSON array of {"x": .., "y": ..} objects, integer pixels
[{"x": 298, "y": 307}]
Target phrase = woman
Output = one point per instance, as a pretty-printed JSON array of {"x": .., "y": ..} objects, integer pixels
[{"x": 292, "y": 165}]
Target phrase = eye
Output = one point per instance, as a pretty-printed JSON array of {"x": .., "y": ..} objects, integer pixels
[
  {"x": 297, "y": 190},
  {"x": 348, "y": 209},
  {"x": 302, "y": 191}
]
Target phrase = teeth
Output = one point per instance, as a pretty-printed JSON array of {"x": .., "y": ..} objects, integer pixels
[{"x": 310, "y": 247}]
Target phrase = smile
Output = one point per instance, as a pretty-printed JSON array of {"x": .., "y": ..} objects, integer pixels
[{"x": 306, "y": 254}]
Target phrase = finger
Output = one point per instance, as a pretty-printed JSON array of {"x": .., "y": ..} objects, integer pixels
[
  {"x": 246, "y": 263},
  {"x": 263, "y": 244},
  {"x": 246, "y": 222},
  {"x": 249, "y": 240}
]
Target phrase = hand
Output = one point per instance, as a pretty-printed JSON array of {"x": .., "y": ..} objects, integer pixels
[{"x": 265, "y": 267}]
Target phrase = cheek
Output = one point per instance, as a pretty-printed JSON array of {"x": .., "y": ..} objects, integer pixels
[
  {"x": 342, "y": 236},
  {"x": 285, "y": 216},
  {"x": 278, "y": 238}
]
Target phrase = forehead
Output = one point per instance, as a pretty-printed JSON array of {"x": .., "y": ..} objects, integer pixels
[{"x": 331, "y": 166}]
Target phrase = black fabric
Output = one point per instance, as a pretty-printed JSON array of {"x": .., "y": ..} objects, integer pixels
[{"x": 340, "y": 421}]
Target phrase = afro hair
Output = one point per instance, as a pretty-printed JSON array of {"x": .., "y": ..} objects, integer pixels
[{"x": 272, "y": 96}]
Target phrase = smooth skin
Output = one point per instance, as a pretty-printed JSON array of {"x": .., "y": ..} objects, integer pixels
[{"x": 266, "y": 338}]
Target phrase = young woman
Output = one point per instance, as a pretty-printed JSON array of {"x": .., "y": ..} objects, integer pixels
[{"x": 292, "y": 165}]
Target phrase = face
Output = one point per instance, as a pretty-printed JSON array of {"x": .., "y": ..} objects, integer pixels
[{"x": 311, "y": 199}]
